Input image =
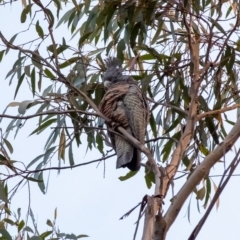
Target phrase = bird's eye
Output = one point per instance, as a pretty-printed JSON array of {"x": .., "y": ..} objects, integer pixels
[{"x": 106, "y": 83}]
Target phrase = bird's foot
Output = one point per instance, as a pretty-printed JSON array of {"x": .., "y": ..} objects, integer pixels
[{"x": 115, "y": 126}]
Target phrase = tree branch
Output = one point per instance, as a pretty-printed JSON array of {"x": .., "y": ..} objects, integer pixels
[
  {"x": 222, "y": 110},
  {"x": 21, "y": 172},
  {"x": 220, "y": 188},
  {"x": 200, "y": 172},
  {"x": 46, "y": 113}
]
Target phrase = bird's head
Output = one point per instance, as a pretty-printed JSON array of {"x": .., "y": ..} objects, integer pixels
[{"x": 113, "y": 73}]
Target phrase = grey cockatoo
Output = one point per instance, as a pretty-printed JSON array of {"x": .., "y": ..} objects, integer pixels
[{"x": 125, "y": 104}]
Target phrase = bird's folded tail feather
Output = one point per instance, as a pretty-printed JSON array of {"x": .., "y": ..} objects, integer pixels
[{"x": 127, "y": 155}]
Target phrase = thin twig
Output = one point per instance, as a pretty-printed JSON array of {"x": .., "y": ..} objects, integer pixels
[
  {"x": 48, "y": 113},
  {"x": 222, "y": 110}
]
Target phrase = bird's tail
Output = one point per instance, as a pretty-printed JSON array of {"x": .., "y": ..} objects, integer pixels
[
  {"x": 127, "y": 155},
  {"x": 134, "y": 164},
  {"x": 124, "y": 151}
]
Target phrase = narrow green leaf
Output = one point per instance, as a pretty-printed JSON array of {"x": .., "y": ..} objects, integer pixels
[
  {"x": 11, "y": 41},
  {"x": 217, "y": 25},
  {"x": 231, "y": 61},
  {"x": 25, "y": 11},
  {"x": 128, "y": 175},
  {"x": 70, "y": 155},
  {"x": 21, "y": 225},
  {"x": 36, "y": 60},
  {"x": 212, "y": 129},
  {"x": 82, "y": 236},
  {"x": 11, "y": 72},
  {"x": 90, "y": 139},
  {"x": 71, "y": 18},
  {"x": 201, "y": 193},
  {"x": 43, "y": 126},
  {"x": 9, "y": 221},
  {"x": 27, "y": 70},
  {"x": 32, "y": 215},
  {"x": 49, "y": 73},
  {"x": 39, "y": 84},
  {"x": 49, "y": 223},
  {"x": 99, "y": 141},
  {"x": 39, "y": 30},
  {"x": 3, "y": 196},
  {"x": 1, "y": 54},
  {"x": 27, "y": 229},
  {"x": 120, "y": 48},
  {"x": 166, "y": 150},
  {"x": 19, "y": 84},
  {"x": 134, "y": 34},
  {"x": 153, "y": 125},
  {"x": 69, "y": 62},
  {"x": 208, "y": 191},
  {"x": 83, "y": 38},
  {"x": 71, "y": 236},
  {"x": 24, "y": 15},
  {"x": 149, "y": 179},
  {"x": 65, "y": 17},
  {"x": 11, "y": 125},
  {"x": 146, "y": 82},
  {"x": 8, "y": 144},
  {"x": 35, "y": 238},
  {"x": 41, "y": 183},
  {"x": 58, "y": 5},
  {"x": 35, "y": 160},
  {"x": 45, "y": 234},
  {"x": 147, "y": 56},
  {"x": 62, "y": 48},
  {"x": 228, "y": 11},
  {"x": 33, "y": 81},
  {"x": 33, "y": 179},
  {"x": 174, "y": 124},
  {"x": 48, "y": 153},
  {"x": 50, "y": 16},
  {"x": 203, "y": 150},
  {"x": 62, "y": 145}
]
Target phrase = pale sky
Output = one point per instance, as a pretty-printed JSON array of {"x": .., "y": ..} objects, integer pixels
[{"x": 87, "y": 202}]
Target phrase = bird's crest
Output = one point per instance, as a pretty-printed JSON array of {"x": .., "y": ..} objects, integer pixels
[{"x": 113, "y": 62}]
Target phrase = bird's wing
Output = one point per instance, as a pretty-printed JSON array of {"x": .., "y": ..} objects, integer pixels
[
  {"x": 113, "y": 108},
  {"x": 109, "y": 104},
  {"x": 137, "y": 111}
]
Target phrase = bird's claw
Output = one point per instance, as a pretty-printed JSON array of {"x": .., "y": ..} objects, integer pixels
[{"x": 115, "y": 125}]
